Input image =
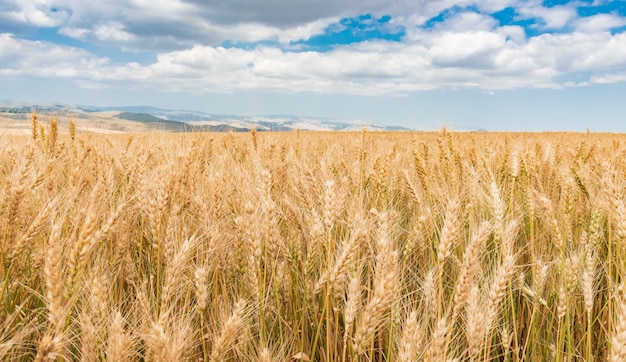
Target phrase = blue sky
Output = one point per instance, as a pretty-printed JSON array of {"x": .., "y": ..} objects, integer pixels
[{"x": 492, "y": 64}]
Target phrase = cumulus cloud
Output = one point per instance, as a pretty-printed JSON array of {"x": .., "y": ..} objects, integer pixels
[
  {"x": 599, "y": 22},
  {"x": 468, "y": 48},
  {"x": 465, "y": 49},
  {"x": 19, "y": 57},
  {"x": 443, "y": 59},
  {"x": 555, "y": 17},
  {"x": 468, "y": 21},
  {"x": 112, "y": 32},
  {"x": 180, "y": 24},
  {"x": 38, "y": 13},
  {"x": 609, "y": 78},
  {"x": 173, "y": 25}
]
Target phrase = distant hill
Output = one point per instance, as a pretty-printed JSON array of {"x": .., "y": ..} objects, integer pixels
[
  {"x": 140, "y": 117},
  {"x": 189, "y": 121},
  {"x": 164, "y": 124}
]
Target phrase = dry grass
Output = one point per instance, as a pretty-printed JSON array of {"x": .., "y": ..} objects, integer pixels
[{"x": 311, "y": 246}]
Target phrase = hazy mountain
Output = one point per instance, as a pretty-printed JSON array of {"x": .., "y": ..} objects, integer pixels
[{"x": 186, "y": 120}]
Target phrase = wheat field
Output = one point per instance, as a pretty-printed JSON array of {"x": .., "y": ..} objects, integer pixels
[{"x": 306, "y": 246}]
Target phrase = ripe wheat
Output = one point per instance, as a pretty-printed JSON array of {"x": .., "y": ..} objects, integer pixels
[{"x": 365, "y": 246}]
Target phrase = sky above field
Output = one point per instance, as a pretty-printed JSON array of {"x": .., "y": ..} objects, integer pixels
[{"x": 466, "y": 64}]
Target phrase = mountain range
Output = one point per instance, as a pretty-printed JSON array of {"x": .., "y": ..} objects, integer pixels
[{"x": 186, "y": 120}]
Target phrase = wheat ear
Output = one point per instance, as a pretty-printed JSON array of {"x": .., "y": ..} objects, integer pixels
[
  {"x": 471, "y": 260},
  {"x": 475, "y": 323},
  {"x": 48, "y": 348},
  {"x": 228, "y": 335},
  {"x": 618, "y": 335},
  {"x": 411, "y": 338},
  {"x": 385, "y": 287},
  {"x": 119, "y": 342}
]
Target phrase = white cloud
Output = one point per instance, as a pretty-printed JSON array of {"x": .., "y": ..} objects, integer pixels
[
  {"x": 492, "y": 6},
  {"x": 514, "y": 33},
  {"x": 40, "y": 13},
  {"x": 468, "y": 21},
  {"x": 599, "y": 23},
  {"x": 555, "y": 17},
  {"x": 76, "y": 33},
  {"x": 489, "y": 60},
  {"x": 306, "y": 31},
  {"x": 609, "y": 78},
  {"x": 602, "y": 51},
  {"x": 571, "y": 84},
  {"x": 467, "y": 49},
  {"x": 179, "y": 24},
  {"x": 163, "y": 25},
  {"x": 112, "y": 32},
  {"x": 29, "y": 58}
]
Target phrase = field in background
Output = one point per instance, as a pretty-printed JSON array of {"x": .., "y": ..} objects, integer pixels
[{"x": 312, "y": 246}]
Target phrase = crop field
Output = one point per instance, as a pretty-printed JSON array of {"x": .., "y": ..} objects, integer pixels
[{"x": 312, "y": 246}]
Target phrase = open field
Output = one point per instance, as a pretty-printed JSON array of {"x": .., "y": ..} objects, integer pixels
[{"x": 311, "y": 246}]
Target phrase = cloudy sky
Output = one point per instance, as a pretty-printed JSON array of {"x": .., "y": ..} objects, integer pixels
[{"x": 493, "y": 64}]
